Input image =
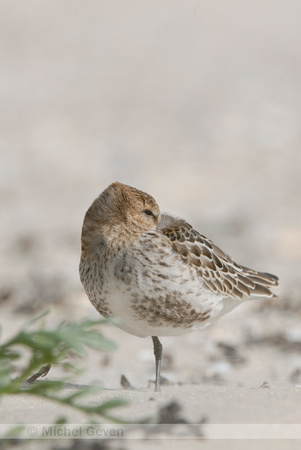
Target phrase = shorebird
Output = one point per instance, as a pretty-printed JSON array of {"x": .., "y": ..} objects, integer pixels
[{"x": 155, "y": 272}]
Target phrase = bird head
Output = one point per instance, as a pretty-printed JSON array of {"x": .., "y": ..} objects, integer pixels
[{"x": 119, "y": 215}]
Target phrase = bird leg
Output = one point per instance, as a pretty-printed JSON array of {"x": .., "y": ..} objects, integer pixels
[{"x": 158, "y": 356}]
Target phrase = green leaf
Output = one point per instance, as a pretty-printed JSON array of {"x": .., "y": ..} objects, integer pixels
[
  {"x": 5, "y": 375},
  {"x": 57, "y": 346}
]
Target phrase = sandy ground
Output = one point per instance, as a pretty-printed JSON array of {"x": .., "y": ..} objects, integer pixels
[{"x": 199, "y": 104}]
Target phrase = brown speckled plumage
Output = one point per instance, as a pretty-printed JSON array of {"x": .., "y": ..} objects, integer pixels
[
  {"x": 218, "y": 270},
  {"x": 154, "y": 272}
]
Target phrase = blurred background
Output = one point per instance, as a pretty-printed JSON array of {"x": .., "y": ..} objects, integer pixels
[{"x": 197, "y": 103}]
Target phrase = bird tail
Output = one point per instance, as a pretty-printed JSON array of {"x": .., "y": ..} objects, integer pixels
[{"x": 263, "y": 282}]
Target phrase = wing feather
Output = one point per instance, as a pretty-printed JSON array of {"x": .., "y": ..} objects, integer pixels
[{"x": 220, "y": 273}]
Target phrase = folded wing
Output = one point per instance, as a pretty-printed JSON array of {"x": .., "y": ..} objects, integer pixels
[{"x": 219, "y": 272}]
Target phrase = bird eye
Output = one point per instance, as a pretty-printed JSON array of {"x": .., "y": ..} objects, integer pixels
[{"x": 148, "y": 212}]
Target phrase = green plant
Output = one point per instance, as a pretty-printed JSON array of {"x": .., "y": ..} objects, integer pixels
[{"x": 58, "y": 346}]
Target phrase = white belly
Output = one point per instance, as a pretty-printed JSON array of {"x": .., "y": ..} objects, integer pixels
[
  {"x": 144, "y": 309},
  {"x": 153, "y": 299}
]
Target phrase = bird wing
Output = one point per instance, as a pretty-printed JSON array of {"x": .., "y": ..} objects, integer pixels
[{"x": 219, "y": 272}]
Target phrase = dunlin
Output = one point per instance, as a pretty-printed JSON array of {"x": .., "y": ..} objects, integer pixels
[{"x": 155, "y": 272}]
